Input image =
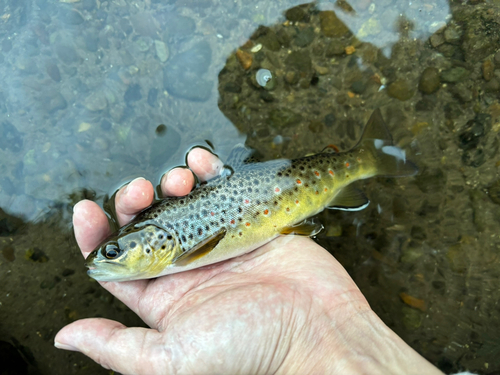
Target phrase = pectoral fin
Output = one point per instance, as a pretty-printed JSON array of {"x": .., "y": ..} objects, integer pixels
[
  {"x": 349, "y": 199},
  {"x": 306, "y": 228},
  {"x": 200, "y": 250}
]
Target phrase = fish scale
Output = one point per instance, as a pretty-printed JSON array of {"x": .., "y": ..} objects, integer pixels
[{"x": 240, "y": 211}]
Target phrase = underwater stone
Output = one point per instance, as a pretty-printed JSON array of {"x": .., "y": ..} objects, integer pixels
[
  {"x": 184, "y": 75},
  {"x": 454, "y": 75},
  {"x": 96, "y": 101},
  {"x": 494, "y": 192},
  {"x": 280, "y": 118},
  {"x": 133, "y": 93},
  {"x": 429, "y": 80},
  {"x": 488, "y": 70},
  {"x": 300, "y": 61},
  {"x": 331, "y": 25},
  {"x": 334, "y": 48},
  {"x": 304, "y": 37},
  {"x": 67, "y": 54},
  {"x": 296, "y": 14},
  {"x": 11, "y": 138},
  {"x": 400, "y": 89},
  {"x": 492, "y": 86},
  {"x": 71, "y": 17}
]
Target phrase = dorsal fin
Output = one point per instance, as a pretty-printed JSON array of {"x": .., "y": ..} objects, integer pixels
[
  {"x": 305, "y": 228},
  {"x": 200, "y": 250},
  {"x": 349, "y": 199},
  {"x": 239, "y": 156}
]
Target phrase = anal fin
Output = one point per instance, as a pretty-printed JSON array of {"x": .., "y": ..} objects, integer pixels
[
  {"x": 306, "y": 228},
  {"x": 200, "y": 250},
  {"x": 349, "y": 199}
]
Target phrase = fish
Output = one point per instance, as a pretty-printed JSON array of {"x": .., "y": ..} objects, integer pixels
[{"x": 248, "y": 205}]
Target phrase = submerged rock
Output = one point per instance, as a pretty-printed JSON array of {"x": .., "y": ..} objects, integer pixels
[
  {"x": 401, "y": 90},
  {"x": 429, "y": 80}
]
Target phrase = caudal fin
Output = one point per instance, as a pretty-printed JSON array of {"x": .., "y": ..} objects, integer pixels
[{"x": 390, "y": 160}]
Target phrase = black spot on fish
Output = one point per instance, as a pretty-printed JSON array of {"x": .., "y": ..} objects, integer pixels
[
  {"x": 207, "y": 228},
  {"x": 235, "y": 192},
  {"x": 280, "y": 174},
  {"x": 163, "y": 247},
  {"x": 258, "y": 202},
  {"x": 222, "y": 197},
  {"x": 133, "y": 244},
  {"x": 182, "y": 201},
  {"x": 183, "y": 238},
  {"x": 148, "y": 250},
  {"x": 222, "y": 220},
  {"x": 160, "y": 236},
  {"x": 249, "y": 190},
  {"x": 204, "y": 212},
  {"x": 190, "y": 236},
  {"x": 240, "y": 210},
  {"x": 275, "y": 203},
  {"x": 255, "y": 182},
  {"x": 169, "y": 237}
]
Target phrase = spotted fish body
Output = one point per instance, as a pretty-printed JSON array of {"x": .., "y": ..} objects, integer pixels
[{"x": 236, "y": 213}]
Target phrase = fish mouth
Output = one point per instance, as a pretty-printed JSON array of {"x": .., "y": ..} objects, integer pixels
[{"x": 104, "y": 274}]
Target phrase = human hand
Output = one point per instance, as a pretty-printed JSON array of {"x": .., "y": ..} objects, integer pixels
[{"x": 287, "y": 307}]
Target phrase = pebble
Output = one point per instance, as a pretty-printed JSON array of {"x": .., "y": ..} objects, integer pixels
[
  {"x": 488, "y": 70},
  {"x": 436, "y": 40},
  {"x": 244, "y": 58},
  {"x": 67, "y": 54},
  {"x": 400, "y": 89},
  {"x": 304, "y": 37},
  {"x": 429, "y": 81},
  {"x": 455, "y": 74},
  {"x": 452, "y": 34},
  {"x": 331, "y": 25},
  {"x": 161, "y": 50},
  {"x": 296, "y": 14},
  {"x": 133, "y": 94},
  {"x": 96, "y": 102},
  {"x": 53, "y": 71},
  {"x": 334, "y": 48},
  {"x": 71, "y": 17},
  {"x": 492, "y": 86}
]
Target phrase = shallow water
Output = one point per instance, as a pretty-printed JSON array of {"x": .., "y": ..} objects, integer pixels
[{"x": 87, "y": 84}]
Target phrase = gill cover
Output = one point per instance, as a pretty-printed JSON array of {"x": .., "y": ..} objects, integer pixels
[{"x": 137, "y": 250}]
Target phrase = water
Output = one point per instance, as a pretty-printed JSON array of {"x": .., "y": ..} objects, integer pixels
[{"x": 86, "y": 85}]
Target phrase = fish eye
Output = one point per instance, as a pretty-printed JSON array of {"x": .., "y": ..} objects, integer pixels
[{"x": 111, "y": 251}]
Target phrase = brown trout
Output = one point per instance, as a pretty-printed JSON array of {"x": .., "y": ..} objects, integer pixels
[{"x": 237, "y": 212}]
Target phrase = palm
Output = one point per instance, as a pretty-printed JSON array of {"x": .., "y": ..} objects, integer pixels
[{"x": 238, "y": 312}]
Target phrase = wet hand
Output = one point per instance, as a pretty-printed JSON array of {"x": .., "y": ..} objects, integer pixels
[{"x": 288, "y": 306}]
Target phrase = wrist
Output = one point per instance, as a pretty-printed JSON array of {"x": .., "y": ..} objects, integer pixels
[{"x": 358, "y": 344}]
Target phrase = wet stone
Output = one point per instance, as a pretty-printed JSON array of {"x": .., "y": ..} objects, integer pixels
[
  {"x": 452, "y": 34},
  {"x": 488, "y": 70},
  {"x": 96, "y": 101},
  {"x": 161, "y": 50},
  {"x": 269, "y": 39},
  {"x": 36, "y": 255},
  {"x": 412, "y": 319},
  {"x": 67, "y": 272},
  {"x": 71, "y": 17},
  {"x": 400, "y": 89},
  {"x": 316, "y": 126},
  {"x": 67, "y": 54},
  {"x": 497, "y": 58},
  {"x": 184, "y": 75},
  {"x": 144, "y": 24},
  {"x": 418, "y": 233},
  {"x": 457, "y": 258},
  {"x": 281, "y": 118},
  {"x": 454, "y": 75},
  {"x": 436, "y": 40},
  {"x": 300, "y": 61},
  {"x": 429, "y": 80},
  {"x": 304, "y": 37},
  {"x": 152, "y": 96},
  {"x": 11, "y": 138},
  {"x": 335, "y": 48},
  {"x": 331, "y": 25},
  {"x": 494, "y": 192},
  {"x": 426, "y": 104},
  {"x": 8, "y": 253},
  {"x": 492, "y": 86},
  {"x": 91, "y": 42},
  {"x": 296, "y": 14},
  {"x": 358, "y": 87},
  {"x": 133, "y": 94},
  {"x": 53, "y": 71}
]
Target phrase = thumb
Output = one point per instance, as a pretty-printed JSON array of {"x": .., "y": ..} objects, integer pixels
[{"x": 114, "y": 346}]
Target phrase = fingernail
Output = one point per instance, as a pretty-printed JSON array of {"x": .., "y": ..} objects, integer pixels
[
  {"x": 131, "y": 182},
  {"x": 59, "y": 345}
]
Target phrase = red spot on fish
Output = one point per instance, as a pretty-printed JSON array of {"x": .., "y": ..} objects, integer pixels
[
  {"x": 299, "y": 182},
  {"x": 347, "y": 165},
  {"x": 212, "y": 213},
  {"x": 288, "y": 209},
  {"x": 316, "y": 173},
  {"x": 335, "y": 148},
  {"x": 247, "y": 201},
  {"x": 317, "y": 192},
  {"x": 297, "y": 201},
  {"x": 326, "y": 189},
  {"x": 247, "y": 224},
  {"x": 266, "y": 212},
  {"x": 277, "y": 190},
  {"x": 331, "y": 172},
  {"x": 232, "y": 221}
]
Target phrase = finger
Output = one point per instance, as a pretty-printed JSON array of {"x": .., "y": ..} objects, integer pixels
[
  {"x": 204, "y": 164},
  {"x": 90, "y": 225},
  {"x": 177, "y": 182},
  {"x": 114, "y": 346},
  {"x": 133, "y": 198}
]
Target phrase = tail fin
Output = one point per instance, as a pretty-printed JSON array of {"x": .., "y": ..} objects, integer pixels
[{"x": 389, "y": 159}]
